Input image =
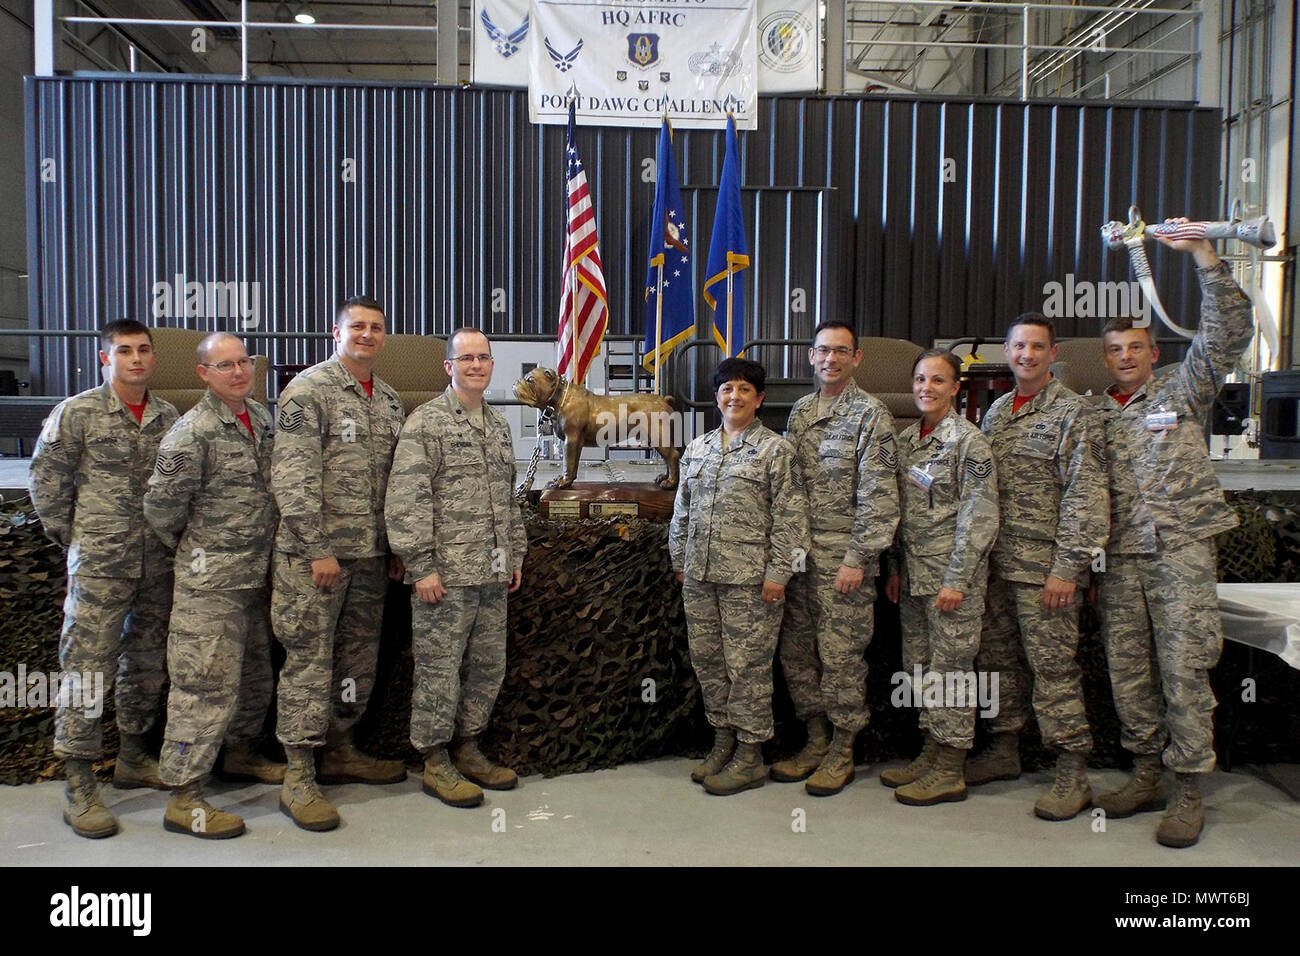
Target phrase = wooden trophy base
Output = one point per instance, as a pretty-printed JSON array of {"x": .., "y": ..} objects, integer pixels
[{"x": 590, "y": 499}]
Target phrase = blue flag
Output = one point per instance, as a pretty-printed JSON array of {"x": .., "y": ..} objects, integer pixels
[
  {"x": 728, "y": 254},
  {"x": 670, "y": 314}
]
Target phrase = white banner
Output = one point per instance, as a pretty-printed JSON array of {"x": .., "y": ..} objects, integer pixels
[
  {"x": 789, "y": 46},
  {"x": 629, "y": 60},
  {"x": 502, "y": 35}
]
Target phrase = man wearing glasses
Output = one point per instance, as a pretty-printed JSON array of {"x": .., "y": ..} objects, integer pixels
[
  {"x": 453, "y": 519},
  {"x": 88, "y": 476},
  {"x": 335, "y": 433},
  {"x": 846, "y": 452},
  {"x": 209, "y": 500}
]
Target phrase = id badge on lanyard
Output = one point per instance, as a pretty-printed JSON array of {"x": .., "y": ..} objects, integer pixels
[
  {"x": 921, "y": 477},
  {"x": 1160, "y": 421}
]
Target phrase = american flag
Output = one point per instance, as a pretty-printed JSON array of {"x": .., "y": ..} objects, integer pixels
[{"x": 584, "y": 279}]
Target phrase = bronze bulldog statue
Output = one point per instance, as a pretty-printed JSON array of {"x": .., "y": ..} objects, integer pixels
[{"x": 587, "y": 420}]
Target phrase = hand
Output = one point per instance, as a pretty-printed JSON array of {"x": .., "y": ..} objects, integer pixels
[
  {"x": 1058, "y": 593},
  {"x": 847, "y": 579},
  {"x": 894, "y": 587},
  {"x": 681, "y": 578},
  {"x": 430, "y": 589},
  {"x": 396, "y": 569},
  {"x": 1200, "y": 249},
  {"x": 516, "y": 581},
  {"x": 325, "y": 572},
  {"x": 773, "y": 592},
  {"x": 948, "y": 599}
]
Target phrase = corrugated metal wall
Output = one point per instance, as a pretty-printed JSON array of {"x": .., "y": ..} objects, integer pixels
[{"x": 431, "y": 198}]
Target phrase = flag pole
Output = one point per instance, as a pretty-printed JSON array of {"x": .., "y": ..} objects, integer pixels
[
  {"x": 572, "y": 277},
  {"x": 659, "y": 277},
  {"x": 659, "y": 318},
  {"x": 729, "y": 274}
]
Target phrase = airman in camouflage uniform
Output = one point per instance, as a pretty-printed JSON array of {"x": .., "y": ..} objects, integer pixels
[
  {"x": 337, "y": 426},
  {"x": 739, "y": 531},
  {"x": 453, "y": 518},
  {"x": 1055, "y": 518},
  {"x": 949, "y": 523},
  {"x": 209, "y": 500},
  {"x": 846, "y": 454},
  {"x": 88, "y": 477},
  {"x": 1160, "y": 611}
]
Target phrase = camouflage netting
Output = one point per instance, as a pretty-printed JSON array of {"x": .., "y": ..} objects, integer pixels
[{"x": 600, "y": 614}]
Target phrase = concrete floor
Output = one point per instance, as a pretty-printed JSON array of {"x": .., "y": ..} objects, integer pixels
[{"x": 651, "y": 814}]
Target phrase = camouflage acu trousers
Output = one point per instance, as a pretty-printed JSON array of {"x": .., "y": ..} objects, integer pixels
[
  {"x": 331, "y": 643},
  {"x": 219, "y": 661},
  {"x": 732, "y": 636},
  {"x": 1163, "y": 633},
  {"x": 945, "y": 643},
  {"x": 114, "y": 626},
  {"x": 1017, "y": 627},
  {"x": 459, "y": 646},
  {"x": 824, "y": 639}
]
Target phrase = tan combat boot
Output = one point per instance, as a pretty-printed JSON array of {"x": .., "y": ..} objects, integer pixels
[
  {"x": 244, "y": 763},
  {"x": 134, "y": 767},
  {"x": 836, "y": 769},
  {"x": 443, "y": 780},
  {"x": 471, "y": 763},
  {"x": 188, "y": 812},
  {"x": 801, "y": 765},
  {"x": 918, "y": 768},
  {"x": 342, "y": 762},
  {"x": 85, "y": 812},
  {"x": 1185, "y": 817},
  {"x": 1000, "y": 760},
  {"x": 724, "y": 745},
  {"x": 1070, "y": 791},
  {"x": 743, "y": 771},
  {"x": 942, "y": 783},
  {"x": 1143, "y": 791},
  {"x": 300, "y": 798}
]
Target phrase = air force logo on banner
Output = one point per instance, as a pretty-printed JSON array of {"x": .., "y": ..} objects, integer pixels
[
  {"x": 643, "y": 49},
  {"x": 563, "y": 61},
  {"x": 785, "y": 41},
  {"x": 507, "y": 44},
  {"x": 714, "y": 61}
]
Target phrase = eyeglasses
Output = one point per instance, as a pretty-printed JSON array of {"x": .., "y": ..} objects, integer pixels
[
  {"x": 466, "y": 359},
  {"x": 840, "y": 351},
  {"x": 225, "y": 368}
]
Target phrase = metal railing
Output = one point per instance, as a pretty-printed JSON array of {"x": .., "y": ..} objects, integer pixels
[
  {"x": 46, "y": 19},
  {"x": 943, "y": 17}
]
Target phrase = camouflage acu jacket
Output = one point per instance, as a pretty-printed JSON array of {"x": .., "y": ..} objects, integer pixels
[
  {"x": 1163, "y": 490},
  {"x": 947, "y": 529},
  {"x": 88, "y": 477},
  {"x": 451, "y": 505},
  {"x": 1052, "y": 485},
  {"x": 210, "y": 496},
  {"x": 741, "y": 517},
  {"x": 848, "y": 464},
  {"x": 329, "y": 467}
]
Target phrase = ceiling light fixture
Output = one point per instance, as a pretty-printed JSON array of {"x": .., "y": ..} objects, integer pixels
[{"x": 304, "y": 16}]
